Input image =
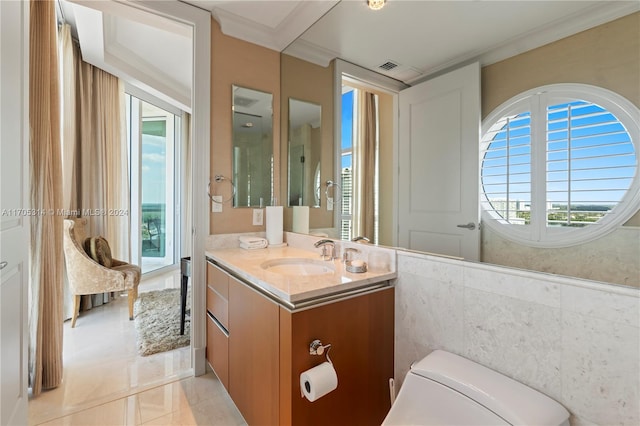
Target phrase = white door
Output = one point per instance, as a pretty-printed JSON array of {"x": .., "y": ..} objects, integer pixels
[
  {"x": 438, "y": 165},
  {"x": 14, "y": 221}
]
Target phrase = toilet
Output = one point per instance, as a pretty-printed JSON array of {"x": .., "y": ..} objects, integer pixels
[{"x": 447, "y": 389}]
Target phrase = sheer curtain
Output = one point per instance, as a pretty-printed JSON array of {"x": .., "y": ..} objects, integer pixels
[
  {"x": 46, "y": 255},
  {"x": 95, "y": 170},
  {"x": 365, "y": 166},
  {"x": 69, "y": 164},
  {"x": 103, "y": 178}
]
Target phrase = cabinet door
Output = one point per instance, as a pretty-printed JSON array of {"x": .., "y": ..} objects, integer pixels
[
  {"x": 217, "y": 317},
  {"x": 218, "y": 307},
  {"x": 361, "y": 333},
  {"x": 253, "y": 354},
  {"x": 218, "y": 350},
  {"x": 217, "y": 280}
]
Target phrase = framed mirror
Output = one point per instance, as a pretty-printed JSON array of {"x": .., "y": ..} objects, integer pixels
[
  {"x": 305, "y": 147},
  {"x": 252, "y": 147}
]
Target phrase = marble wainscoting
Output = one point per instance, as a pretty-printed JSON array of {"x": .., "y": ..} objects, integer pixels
[{"x": 576, "y": 341}]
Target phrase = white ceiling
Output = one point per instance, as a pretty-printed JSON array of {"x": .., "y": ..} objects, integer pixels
[
  {"x": 148, "y": 51},
  {"x": 422, "y": 37},
  {"x": 270, "y": 23}
]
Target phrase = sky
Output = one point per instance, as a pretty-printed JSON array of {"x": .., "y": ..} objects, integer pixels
[
  {"x": 347, "y": 126},
  {"x": 153, "y": 169}
]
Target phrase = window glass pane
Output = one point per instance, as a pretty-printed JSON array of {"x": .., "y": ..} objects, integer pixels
[
  {"x": 346, "y": 174},
  {"x": 347, "y": 161},
  {"x": 506, "y": 169},
  {"x": 154, "y": 128},
  {"x": 596, "y": 152},
  {"x": 347, "y": 190},
  {"x": 347, "y": 119}
]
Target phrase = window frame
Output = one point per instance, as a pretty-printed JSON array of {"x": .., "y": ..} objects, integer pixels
[{"x": 537, "y": 233}]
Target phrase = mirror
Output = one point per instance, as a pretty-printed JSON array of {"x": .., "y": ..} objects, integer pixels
[
  {"x": 305, "y": 142},
  {"x": 617, "y": 253},
  {"x": 252, "y": 147}
]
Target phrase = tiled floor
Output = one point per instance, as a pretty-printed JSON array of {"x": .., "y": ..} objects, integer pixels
[{"x": 106, "y": 382}]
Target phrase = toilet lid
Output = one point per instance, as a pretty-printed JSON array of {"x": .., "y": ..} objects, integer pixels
[{"x": 422, "y": 401}]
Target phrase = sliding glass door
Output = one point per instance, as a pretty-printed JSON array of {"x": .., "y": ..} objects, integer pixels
[{"x": 153, "y": 135}]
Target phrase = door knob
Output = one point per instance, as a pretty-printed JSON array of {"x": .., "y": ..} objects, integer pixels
[
  {"x": 470, "y": 226},
  {"x": 3, "y": 264}
]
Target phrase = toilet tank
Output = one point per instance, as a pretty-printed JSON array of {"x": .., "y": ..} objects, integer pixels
[{"x": 513, "y": 401}]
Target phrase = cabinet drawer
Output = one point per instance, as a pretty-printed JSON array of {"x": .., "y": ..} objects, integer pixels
[
  {"x": 218, "y": 306},
  {"x": 218, "y": 280},
  {"x": 218, "y": 351}
]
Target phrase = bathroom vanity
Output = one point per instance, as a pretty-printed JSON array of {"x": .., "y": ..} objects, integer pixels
[{"x": 263, "y": 312}]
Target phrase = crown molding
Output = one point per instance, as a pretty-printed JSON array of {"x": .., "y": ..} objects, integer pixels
[
  {"x": 591, "y": 17},
  {"x": 278, "y": 37},
  {"x": 310, "y": 52}
]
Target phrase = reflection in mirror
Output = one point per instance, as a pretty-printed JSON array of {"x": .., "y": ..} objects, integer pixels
[
  {"x": 304, "y": 153},
  {"x": 252, "y": 147},
  {"x": 616, "y": 253}
]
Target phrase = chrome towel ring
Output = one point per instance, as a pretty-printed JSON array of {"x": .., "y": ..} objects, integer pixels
[
  {"x": 337, "y": 194},
  {"x": 219, "y": 179}
]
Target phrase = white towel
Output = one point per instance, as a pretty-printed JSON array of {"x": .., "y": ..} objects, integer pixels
[
  {"x": 251, "y": 240},
  {"x": 252, "y": 247},
  {"x": 252, "y": 243}
]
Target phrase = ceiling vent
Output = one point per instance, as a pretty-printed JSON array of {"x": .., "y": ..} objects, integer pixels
[
  {"x": 398, "y": 71},
  {"x": 388, "y": 66},
  {"x": 243, "y": 101}
]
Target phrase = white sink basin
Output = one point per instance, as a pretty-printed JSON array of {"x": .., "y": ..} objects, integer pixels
[{"x": 298, "y": 266}]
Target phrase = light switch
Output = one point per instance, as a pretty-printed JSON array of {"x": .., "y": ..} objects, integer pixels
[
  {"x": 330, "y": 203},
  {"x": 258, "y": 217},
  {"x": 216, "y": 204}
]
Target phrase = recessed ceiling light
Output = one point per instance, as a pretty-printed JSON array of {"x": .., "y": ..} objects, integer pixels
[{"x": 376, "y": 4}]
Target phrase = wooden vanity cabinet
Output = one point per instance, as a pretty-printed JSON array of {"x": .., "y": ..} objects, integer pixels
[{"x": 266, "y": 349}]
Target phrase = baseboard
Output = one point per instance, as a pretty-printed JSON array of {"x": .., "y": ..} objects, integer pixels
[{"x": 199, "y": 361}]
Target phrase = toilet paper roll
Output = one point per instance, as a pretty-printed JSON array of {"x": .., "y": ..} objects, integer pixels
[
  {"x": 301, "y": 219},
  {"x": 274, "y": 225},
  {"x": 318, "y": 381}
]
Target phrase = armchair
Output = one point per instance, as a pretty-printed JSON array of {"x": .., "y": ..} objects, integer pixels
[{"x": 86, "y": 276}]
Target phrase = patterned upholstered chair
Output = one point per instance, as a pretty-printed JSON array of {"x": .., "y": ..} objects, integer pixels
[{"x": 87, "y": 276}]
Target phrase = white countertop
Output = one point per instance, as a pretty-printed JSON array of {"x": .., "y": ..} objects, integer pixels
[{"x": 290, "y": 289}]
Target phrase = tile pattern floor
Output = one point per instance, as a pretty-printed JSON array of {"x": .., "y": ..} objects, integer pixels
[{"x": 105, "y": 381}]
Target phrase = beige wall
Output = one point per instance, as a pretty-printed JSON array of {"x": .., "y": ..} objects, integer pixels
[
  {"x": 244, "y": 64},
  {"x": 308, "y": 82},
  {"x": 607, "y": 56}
]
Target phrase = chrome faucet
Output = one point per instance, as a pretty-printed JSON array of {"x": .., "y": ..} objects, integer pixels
[
  {"x": 360, "y": 238},
  {"x": 326, "y": 244}
]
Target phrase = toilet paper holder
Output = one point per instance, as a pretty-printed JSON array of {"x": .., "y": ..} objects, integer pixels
[{"x": 317, "y": 348}]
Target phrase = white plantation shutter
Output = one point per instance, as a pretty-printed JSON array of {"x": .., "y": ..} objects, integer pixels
[
  {"x": 559, "y": 165},
  {"x": 506, "y": 169},
  {"x": 347, "y": 203},
  {"x": 591, "y": 163}
]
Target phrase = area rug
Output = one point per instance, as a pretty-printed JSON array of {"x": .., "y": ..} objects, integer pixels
[{"x": 157, "y": 316}]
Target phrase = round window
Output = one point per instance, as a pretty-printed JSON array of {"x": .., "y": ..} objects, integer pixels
[{"x": 559, "y": 165}]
